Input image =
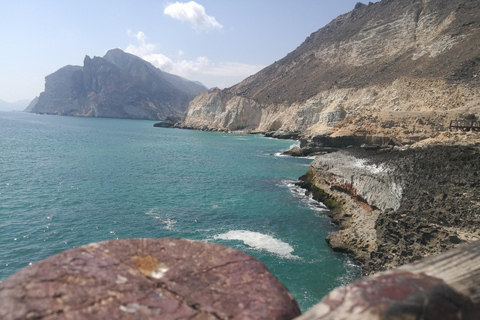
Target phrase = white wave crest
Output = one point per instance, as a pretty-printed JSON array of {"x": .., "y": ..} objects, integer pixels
[
  {"x": 306, "y": 197},
  {"x": 295, "y": 145},
  {"x": 280, "y": 154},
  {"x": 260, "y": 241},
  {"x": 169, "y": 223}
]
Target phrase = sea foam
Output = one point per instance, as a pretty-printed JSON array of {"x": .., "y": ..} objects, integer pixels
[
  {"x": 305, "y": 197},
  {"x": 166, "y": 220},
  {"x": 260, "y": 241}
]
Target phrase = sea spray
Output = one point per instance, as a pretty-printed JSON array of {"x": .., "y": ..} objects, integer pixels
[{"x": 260, "y": 241}]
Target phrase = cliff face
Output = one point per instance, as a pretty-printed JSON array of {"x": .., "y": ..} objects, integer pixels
[
  {"x": 397, "y": 206},
  {"x": 373, "y": 71},
  {"x": 119, "y": 85}
]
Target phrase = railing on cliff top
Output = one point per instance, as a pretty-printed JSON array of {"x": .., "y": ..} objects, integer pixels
[
  {"x": 465, "y": 125},
  {"x": 181, "y": 279}
]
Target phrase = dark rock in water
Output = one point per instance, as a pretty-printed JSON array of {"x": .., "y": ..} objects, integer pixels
[
  {"x": 146, "y": 279},
  {"x": 305, "y": 152},
  {"x": 294, "y": 152},
  {"x": 288, "y": 135},
  {"x": 169, "y": 122},
  {"x": 164, "y": 124},
  {"x": 119, "y": 85}
]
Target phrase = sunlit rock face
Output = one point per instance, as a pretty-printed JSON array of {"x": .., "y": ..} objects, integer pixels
[
  {"x": 395, "y": 206},
  {"x": 119, "y": 85},
  {"x": 394, "y": 60}
]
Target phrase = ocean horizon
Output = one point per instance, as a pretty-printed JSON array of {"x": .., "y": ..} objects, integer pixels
[{"x": 70, "y": 181}]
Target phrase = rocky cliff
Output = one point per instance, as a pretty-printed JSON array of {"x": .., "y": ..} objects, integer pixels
[
  {"x": 398, "y": 68},
  {"x": 119, "y": 85},
  {"x": 396, "y": 206}
]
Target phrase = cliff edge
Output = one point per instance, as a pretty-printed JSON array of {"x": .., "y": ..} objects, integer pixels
[{"x": 395, "y": 206}]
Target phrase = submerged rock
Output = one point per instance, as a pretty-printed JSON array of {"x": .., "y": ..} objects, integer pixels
[{"x": 169, "y": 122}]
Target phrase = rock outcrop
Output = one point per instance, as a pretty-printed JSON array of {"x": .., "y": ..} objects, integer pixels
[
  {"x": 444, "y": 286},
  {"x": 119, "y": 85},
  {"x": 396, "y": 68},
  {"x": 396, "y": 206},
  {"x": 163, "y": 278}
]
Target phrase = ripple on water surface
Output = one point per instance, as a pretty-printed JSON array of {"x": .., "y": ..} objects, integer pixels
[{"x": 66, "y": 182}]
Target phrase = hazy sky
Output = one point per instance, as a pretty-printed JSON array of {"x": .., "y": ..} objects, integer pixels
[{"x": 216, "y": 42}]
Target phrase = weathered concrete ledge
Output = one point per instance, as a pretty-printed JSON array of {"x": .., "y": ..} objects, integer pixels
[
  {"x": 397, "y": 206},
  {"x": 163, "y": 278}
]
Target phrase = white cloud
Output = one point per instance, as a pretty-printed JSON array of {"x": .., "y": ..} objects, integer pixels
[
  {"x": 221, "y": 74},
  {"x": 146, "y": 51},
  {"x": 194, "y": 13},
  {"x": 143, "y": 48}
]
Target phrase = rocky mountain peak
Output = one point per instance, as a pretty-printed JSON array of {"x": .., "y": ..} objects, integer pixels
[{"x": 119, "y": 85}]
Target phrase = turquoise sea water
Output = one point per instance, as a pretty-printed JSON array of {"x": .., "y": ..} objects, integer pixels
[{"x": 66, "y": 182}]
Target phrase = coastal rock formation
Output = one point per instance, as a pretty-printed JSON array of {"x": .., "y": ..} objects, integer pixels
[
  {"x": 444, "y": 286},
  {"x": 390, "y": 73},
  {"x": 395, "y": 206},
  {"x": 119, "y": 85},
  {"x": 395, "y": 68},
  {"x": 163, "y": 278}
]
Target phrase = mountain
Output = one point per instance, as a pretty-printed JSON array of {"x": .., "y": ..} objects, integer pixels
[
  {"x": 13, "y": 106},
  {"x": 119, "y": 85},
  {"x": 394, "y": 68}
]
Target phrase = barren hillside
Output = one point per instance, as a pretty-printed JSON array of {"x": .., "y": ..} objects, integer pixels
[{"x": 393, "y": 68}]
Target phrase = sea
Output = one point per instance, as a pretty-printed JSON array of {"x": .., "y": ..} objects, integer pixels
[{"x": 71, "y": 181}]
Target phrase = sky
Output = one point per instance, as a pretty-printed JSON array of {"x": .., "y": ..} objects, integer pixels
[{"x": 216, "y": 42}]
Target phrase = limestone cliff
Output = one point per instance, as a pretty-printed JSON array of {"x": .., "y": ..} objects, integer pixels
[
  {"x": 119, "y": 85},
  {"x": 394, "y": 68},
  {"x": 394, "y": 206}
]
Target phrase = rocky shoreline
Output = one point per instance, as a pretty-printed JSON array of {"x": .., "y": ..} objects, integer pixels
[
  {"x": 394, "y": 203},
  {"x": 397, "y": 205}
]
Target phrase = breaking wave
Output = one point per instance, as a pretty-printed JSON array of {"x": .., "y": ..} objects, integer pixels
[
  {"x": 305, "y": 197},
  {"x": 169, "y": 223},
  {"x": 260, "y": 241}
]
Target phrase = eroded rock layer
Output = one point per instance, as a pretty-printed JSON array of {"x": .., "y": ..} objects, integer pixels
[{"x": 396, "y": 206}]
